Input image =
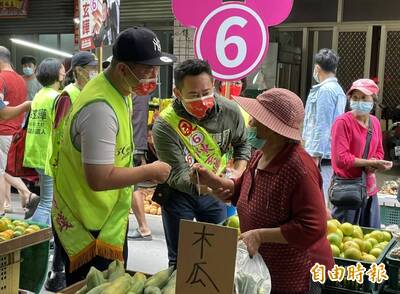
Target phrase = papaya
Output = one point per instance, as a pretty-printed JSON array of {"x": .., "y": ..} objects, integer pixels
[
  {"x": 160, "y": 279},
  {"x": 82, "y": 291},
  {"x": 115, "y": 270},
  {"x": 94, "y": 278},
  {"x": 105, "y": 274},
  {"x": 120, "y": 285},
  {"x": 138, "y": 281},
  {"x": 99, "y": 289},
  {"x": 152, "y": 290},
  {"x": 170, "y": 287}
]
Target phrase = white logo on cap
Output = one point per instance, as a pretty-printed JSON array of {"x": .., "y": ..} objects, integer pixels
[
  {"x": 165, "y": 59},
  {"x": 157, "y": 45}
]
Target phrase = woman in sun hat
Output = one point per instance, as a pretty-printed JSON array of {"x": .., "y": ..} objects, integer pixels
[
  {"x": 279, "y": 197},
  {"x": 349, "y": 137}
]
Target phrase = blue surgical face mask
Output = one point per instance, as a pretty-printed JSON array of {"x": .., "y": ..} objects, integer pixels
[
  {"x": 28, "y": 71},
  {"x": 361, "y": 106},
  {"x": 254, "y": 141}
]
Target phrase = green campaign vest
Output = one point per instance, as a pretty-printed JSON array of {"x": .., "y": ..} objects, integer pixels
[
  {"x": 39, "y": 128},
  {"x": 77, "y": 209},
  {"x": 73, "y": 91},
  {"x": 197, "y": 140},
  {"x": 57, "y": 130}
]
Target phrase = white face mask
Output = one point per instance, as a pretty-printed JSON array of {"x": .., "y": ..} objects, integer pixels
[
  {"x": 315, "y": 75},
  {"x": 92, "y": 74},
  {"x": 89, "y": 74}
]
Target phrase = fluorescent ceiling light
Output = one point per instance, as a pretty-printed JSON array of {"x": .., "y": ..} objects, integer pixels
[{"x": 40, "y": 47}]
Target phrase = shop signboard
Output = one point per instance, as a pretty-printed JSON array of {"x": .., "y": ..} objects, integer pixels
[
  {"x": 13, "y": 8},
  {"x": 99, "y": 23},
  {"x": 232, "y": 35},
  {"x": 206, "y": 258}
]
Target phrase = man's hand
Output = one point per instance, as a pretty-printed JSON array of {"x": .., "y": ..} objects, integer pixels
[
  {"x": 159, "y": 172},
  {"x": 200, "y": 175}
]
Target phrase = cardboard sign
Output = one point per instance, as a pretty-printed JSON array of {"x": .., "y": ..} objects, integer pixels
[
  {"x": 232, "y": 36},
  {"x": 206, "y": 258},
  {"x": 99, "y": 23},
  {"x": 13, "y": 8}
]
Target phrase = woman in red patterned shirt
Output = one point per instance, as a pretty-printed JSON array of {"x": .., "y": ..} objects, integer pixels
[{"x": 279, "y": 197}]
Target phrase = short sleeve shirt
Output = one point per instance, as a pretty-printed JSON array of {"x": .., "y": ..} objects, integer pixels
[{"x": 94, "y": 132}]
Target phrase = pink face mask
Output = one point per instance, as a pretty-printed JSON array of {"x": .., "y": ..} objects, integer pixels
[
  {"x": 234, "y": 90},
  {"x": 198, "y": 107}
]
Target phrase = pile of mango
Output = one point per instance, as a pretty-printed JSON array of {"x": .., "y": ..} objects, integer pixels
[
  {"x": 116, "y": 281},
  {"x": 10, "y": 229}
]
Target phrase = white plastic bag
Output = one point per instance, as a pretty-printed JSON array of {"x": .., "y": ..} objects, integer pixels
[{"x": 251, "y": 274}]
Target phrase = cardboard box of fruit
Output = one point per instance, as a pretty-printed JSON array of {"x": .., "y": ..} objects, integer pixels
[
  {"x": 18, "y": 234},
  {"x": 357, "y": 243}
]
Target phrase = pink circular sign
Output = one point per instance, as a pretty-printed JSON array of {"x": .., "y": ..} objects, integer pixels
[
  {"x": 232, "y": 36},
  {"x": 239, "y": 37}
]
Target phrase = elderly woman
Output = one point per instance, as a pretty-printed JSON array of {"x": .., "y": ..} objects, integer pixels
[
  {"x": 349, "y": 137},
  {"x": 279, "y": 197}
]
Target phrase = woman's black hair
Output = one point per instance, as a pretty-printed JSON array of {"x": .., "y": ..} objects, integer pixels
[{"x": 48, "y": 71}]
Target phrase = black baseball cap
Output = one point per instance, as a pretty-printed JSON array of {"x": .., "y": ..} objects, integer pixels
[
  {"x": 83, "y": 58},
  {"x": 140, "y": 45}
]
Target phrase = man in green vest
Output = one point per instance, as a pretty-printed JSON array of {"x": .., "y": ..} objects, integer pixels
[
  {"x": 94, "y": 174},
  {"x": 202, "y": 127},
  {"x": 84, "y": 67}
]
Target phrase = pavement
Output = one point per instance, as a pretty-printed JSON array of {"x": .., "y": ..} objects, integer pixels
[{"x": 144, "y": 256}]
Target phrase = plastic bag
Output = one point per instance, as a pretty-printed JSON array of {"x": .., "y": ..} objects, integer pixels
[{"x": 251, "y": 274}]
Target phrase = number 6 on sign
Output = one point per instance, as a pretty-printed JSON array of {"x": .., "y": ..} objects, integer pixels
[
  {"x": 232, "y": 36},
  {"x": 222, "y": 42}
]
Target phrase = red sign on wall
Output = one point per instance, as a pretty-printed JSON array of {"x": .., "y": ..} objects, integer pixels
[{"x": 13, "y": 8}]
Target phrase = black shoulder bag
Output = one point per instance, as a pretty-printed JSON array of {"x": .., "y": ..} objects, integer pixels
[{"x": 350, "y": 193}]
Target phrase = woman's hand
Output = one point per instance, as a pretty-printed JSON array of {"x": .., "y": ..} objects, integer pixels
[
  {"x": 223, "y": 194},
  {"x": 252, "y": 239},
  {"x": 381, "y": 165}
]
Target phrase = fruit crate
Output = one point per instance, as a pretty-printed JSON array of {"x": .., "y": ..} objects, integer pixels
[
  {"x": 13, "y": 257},
  {"x": 9, "y": 272},
  {"x": 393, "y": 270},
  {"x": 25, "y": 241},
  {"x": 389, "y": 209},
  {"x": 390, "y": 215},
  {"x": 352, "y": 286}
]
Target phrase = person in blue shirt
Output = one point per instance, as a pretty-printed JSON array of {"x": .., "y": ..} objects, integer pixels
[{"x": 325, "y": 103}]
